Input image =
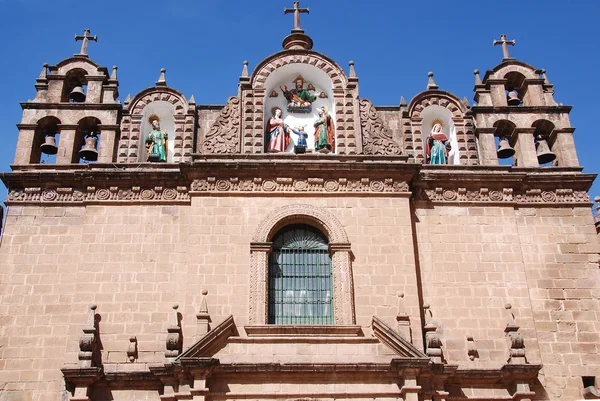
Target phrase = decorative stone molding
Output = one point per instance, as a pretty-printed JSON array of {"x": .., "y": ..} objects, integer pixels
[
  {"x": 174, "y": 341},
  {"x": 504, "y": 195},
  {"x": 300, "y": 185},
  {"x": 224, "y": 135},
  {"x": 88, "y": 343},
  {"x": 94, "y": 195},
  {"x": 339, "y": 247},
  {"x": 376, "y": 138}
]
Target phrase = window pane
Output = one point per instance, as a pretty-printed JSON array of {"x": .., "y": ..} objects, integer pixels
[{"x": 300, "y": 278}]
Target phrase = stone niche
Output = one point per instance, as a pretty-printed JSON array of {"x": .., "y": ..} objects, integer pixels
[{"x": 286, "y": 75}]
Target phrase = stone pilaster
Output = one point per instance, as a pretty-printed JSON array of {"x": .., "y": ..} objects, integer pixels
[
  {"x": 259, "y": 276},
  {"x": 564, "y": 147},
  {"x": 525, "y": 147},
  {"x": 25, "y": 144},
  {"x": 66, "y": 144},
  {"x": 343, "y": 288},
  {"x": 487, "y": 147},
  {"x": 108, "y": 139}
]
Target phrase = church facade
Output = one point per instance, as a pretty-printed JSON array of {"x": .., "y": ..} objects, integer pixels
[{"x": 298, "y": 242}]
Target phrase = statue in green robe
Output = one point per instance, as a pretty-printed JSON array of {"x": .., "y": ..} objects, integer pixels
[
  {"x": 156, "y": 142},
  {"x": 299, "y": 99}
]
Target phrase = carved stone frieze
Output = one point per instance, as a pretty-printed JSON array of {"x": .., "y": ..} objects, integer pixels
[
  {"x": 377, "y": 139},
  {"x": 284, "y": 184},
  {"x": 442, "y": 194},
  {"x": 224, "y": 135},
  {"x": 92, "y": 194}
]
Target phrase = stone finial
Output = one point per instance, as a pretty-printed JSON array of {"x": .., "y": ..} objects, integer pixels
[
  {"x": 477, "y": 77},
  {"x": 127, "y": 100},
  {"x": 174, "y": 336},
  {"x": 402, "y": 101},
  {"x": 88, "y": 342},
  {"x": 471, "y": 348},
  {"x": 516, "y": 352},
  {"x": 430, "y": 82},
  {"x": 113, "y": 74},
  {"x": 245, "y": 69},
  {"x": 352, "y": 72},
  {"x": 544, "y": 77},
  {"x": 203, "y": 317},
  {"x": 162, "y": 80},
  {"x": 403, "y": 319},
  {"x": 465, "y": 101},
  {"x": 132, "y": 351},
  {"x": 433, "y": 342},
  {"x": 44, "y": 73},
  {"x": 192, "y": 100}
]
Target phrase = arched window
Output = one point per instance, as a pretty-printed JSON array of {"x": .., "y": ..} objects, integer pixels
[{"x": 300, "y": 277}]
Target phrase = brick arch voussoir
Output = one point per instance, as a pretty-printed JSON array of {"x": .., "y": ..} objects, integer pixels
[
  {"x": 298, "y": 214},
  {"x": 179, "y": 103},
  {"x": 333, "y": 71},
  {"x": 454, "y": 106}
]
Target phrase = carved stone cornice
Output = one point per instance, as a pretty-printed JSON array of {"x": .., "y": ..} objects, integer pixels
[
  {"x": 94, "y": 184},
  {"x": 293, "y": 175}
]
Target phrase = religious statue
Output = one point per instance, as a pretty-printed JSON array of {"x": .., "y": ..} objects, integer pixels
[
  {"x": 299, "y": 99},
  {"x": 156, "y": 142},
  {"x": 279, "y": 132},
  {"x": 324, "y": 131},
  {"x": 437, "y": 146}
]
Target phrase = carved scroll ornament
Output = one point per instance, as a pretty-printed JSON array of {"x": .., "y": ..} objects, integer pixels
[
  {"x": 377, "y": 139},
  {"x": 224, "y": 135}
]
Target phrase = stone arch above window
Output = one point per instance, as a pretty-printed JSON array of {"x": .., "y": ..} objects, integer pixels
[{"x": 339, "y": 249}]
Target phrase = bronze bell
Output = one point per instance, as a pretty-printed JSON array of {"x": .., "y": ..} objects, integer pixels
[
  {"x": 89, "y": 152},
  {"x": 504, "y": 149},
  {"x": 513, "y": 98},
  {"x": 49, "y": 146},
  {"x": 77, "y": 95},
  {"x": 544, "y": 154}
]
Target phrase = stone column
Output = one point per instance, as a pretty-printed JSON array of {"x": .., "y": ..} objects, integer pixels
[
  {"x": 259, "y": 279},
  {"x": 25, "y": 143},
  {"x": 66, "y": 144},
  {"x": 525, "y": 147},
  {"x": 108, "y": 138},
  {"x": 343, "y": 288},
  {"x": 564, "y": 147},
  {"x": 487, "y": 147}
]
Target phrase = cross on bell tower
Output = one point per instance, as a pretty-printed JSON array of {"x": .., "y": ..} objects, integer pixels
[
  {"x": 505, "y": 43},
  {"x": 85, "y": 38},
  {"x": 296, "y": 10}
]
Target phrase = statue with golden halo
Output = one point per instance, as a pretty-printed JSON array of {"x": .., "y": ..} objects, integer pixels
[
  {"x": 299, "y": 99},
  {"x": 156, "y": 141}
]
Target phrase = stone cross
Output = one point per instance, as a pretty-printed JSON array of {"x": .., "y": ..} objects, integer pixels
[
  {"x": 296, "y": 10},
  {"x": 85, "y": 37},
  {"x": 504, "y": 44}
]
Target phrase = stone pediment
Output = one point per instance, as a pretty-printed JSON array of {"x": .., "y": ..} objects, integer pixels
[
  {"x": 394, "y": 341},
  {"x": 344, "y": 337}
]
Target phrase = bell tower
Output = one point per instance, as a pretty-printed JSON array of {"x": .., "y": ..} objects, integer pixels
[
  {"x": 517, "y": 116},
  {"x": 74, "y": 115}
]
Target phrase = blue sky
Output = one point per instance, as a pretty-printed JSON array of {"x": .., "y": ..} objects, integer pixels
[{"x": 203, "y": 43}]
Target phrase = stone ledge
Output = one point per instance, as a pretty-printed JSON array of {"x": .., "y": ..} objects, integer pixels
[{"x": 303, "y": 331}]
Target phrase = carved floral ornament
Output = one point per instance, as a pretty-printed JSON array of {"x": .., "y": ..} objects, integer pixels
[{"x": 224, "y": 134}]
